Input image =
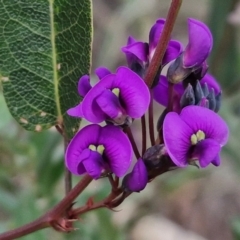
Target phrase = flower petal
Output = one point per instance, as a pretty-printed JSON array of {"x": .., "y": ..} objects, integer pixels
[
  {"x": 76, "y": 111},
  {"x": 199, "y": 44},
  {"x": 90, "y": 109},
  {"x": 177, "y": 138},
  {"x": 216, "y": 162},
  {"x": 174, "y": 49},
  {"x": 137, "y": 180},
  {"x": 101, "y": 72},
  {"x": 109, "y": 104},
  {"x": 84, "y": 85},
  {"x": 118, "y": 149},
  {"x": 200, "y": 118},
  {"x": 134, "y": 93},
  {"x": 154, "y": 36},
  {"x": 81, "y": 141},
  {"x": 136, "y": 52},
  {"x": 211, "y": 83},
  {"x": 206, "y": 151},
  {"x": 93, "y": 164}
]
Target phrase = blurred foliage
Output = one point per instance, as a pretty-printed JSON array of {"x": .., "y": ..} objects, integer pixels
[{"x": 31, "y": 173}]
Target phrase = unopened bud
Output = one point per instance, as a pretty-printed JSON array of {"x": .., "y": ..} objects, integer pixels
[
  {"x": 212, "y": 100},
  {"x": 188, "y": 97}
]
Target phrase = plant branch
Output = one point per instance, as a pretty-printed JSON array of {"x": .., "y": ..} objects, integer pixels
[
  {"x": 134, "y": 145},
  {"x": 151, "y": 121},
  {"x": 163, "y": 42},
  {"x": 144, "y": 134}
]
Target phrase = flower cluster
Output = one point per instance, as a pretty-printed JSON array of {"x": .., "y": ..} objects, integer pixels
[{"x": 191, "y": 128}]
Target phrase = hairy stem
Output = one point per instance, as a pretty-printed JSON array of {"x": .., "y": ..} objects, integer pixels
[{"x": 163, "y": 42}]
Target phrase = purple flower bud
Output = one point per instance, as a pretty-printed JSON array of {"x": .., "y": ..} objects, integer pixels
[
  {"x": 136, "y": 180},
  {"x": 95, "y": 149},
  {"x": 188, "y": 97}
]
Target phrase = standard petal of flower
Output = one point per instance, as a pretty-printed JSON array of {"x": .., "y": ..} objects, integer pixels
[
  {"x": 177, "y": 138},
  {"x": 199, "y": 44},
  {"x": 137, "y": 50},
  {"x": 93, "y": 164},
  {"x": 76, "y": 111},
  {"x": 154, "y": 35},
  {"x": 109, "y": 103},
  {"x": 101, "y": 72},
  {"x": 84, "y": 85},
  {"x": 204, "y": 119},
  {"x": 81, "y": 141},
  {"x": 173, "y": 51},
  {"x": 118, "y": 149},
  {"x": 211, "y": 82},
  {"x": 206, "y": 151},
  {"x": 137, "y": 180},
  {"x": 133, "y": 92},
  {"x": 90, "y": 109}
]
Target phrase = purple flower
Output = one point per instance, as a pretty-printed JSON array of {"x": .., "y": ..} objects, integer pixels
[
  {"x": 139, "y": 54},
  {"x": 193, "y": 58},
  {"x": 114, "y": 98},
  {"x": 95, "y": 148},
  {"x": 197, "y": 134},
  {"x": 137, "y": 180}
]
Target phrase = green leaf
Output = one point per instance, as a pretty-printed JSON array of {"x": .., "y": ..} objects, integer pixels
[{"x": 45, "y": 47}]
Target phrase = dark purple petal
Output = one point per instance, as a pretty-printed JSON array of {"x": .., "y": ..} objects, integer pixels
[
  {"x": 109, "y": 104},
  {"x": 76, "y": 111},
  {"x": 93, "y": 164},
  {"x": 200, "y": 118},
  {"x": 199, "y": 44},
  {"x": 174, "y": 49},
  {"x": 177, "y": 138},
  {"x": 84, "y": 85},
  {"x": 90, "y": 109},
  {"x": 134, "y": 93},
  {"x": 154, "y": 36},
  {"x": 137, "y": 180},
  {"x": 118, "y": 149},
  {"x": 81, "y": 141},
  {"x": 206, "y": 151},
  {"x": 160, "y": 92},
  {"x": 216, "y": 162},
  {"x": 136, "y": 52},
  {"x": 101, "y": 72},
  {"x": 211, "y": 83}
]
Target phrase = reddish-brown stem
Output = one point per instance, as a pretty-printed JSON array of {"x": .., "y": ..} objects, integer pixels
[
  {"x": 53, "y": 215},
  {"x": 163, "y": 42},
  {"x": 144, "y": 134},
  {"x": 151, "y": 121},
  {"x": 134, "y": 145},
  {"x": 36, "y": 225}
]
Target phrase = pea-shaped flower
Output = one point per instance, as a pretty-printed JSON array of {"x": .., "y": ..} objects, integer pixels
[
  {"x": 95, "y": 148},
  {"x": 114, "y": 98},
  {"x": 197, "y": 134}
]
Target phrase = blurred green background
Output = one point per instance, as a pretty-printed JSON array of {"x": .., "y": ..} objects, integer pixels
[{"x": 185, "y": 204}]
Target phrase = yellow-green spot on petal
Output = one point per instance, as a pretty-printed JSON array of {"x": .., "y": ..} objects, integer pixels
[
  {"x": 200, "y": 135},
  {"x": 100, "y": 149},
  {"x": 194, "y": 139},
  {"x": 92, "y": 147},
  {"x": 116, "y": 91}
]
